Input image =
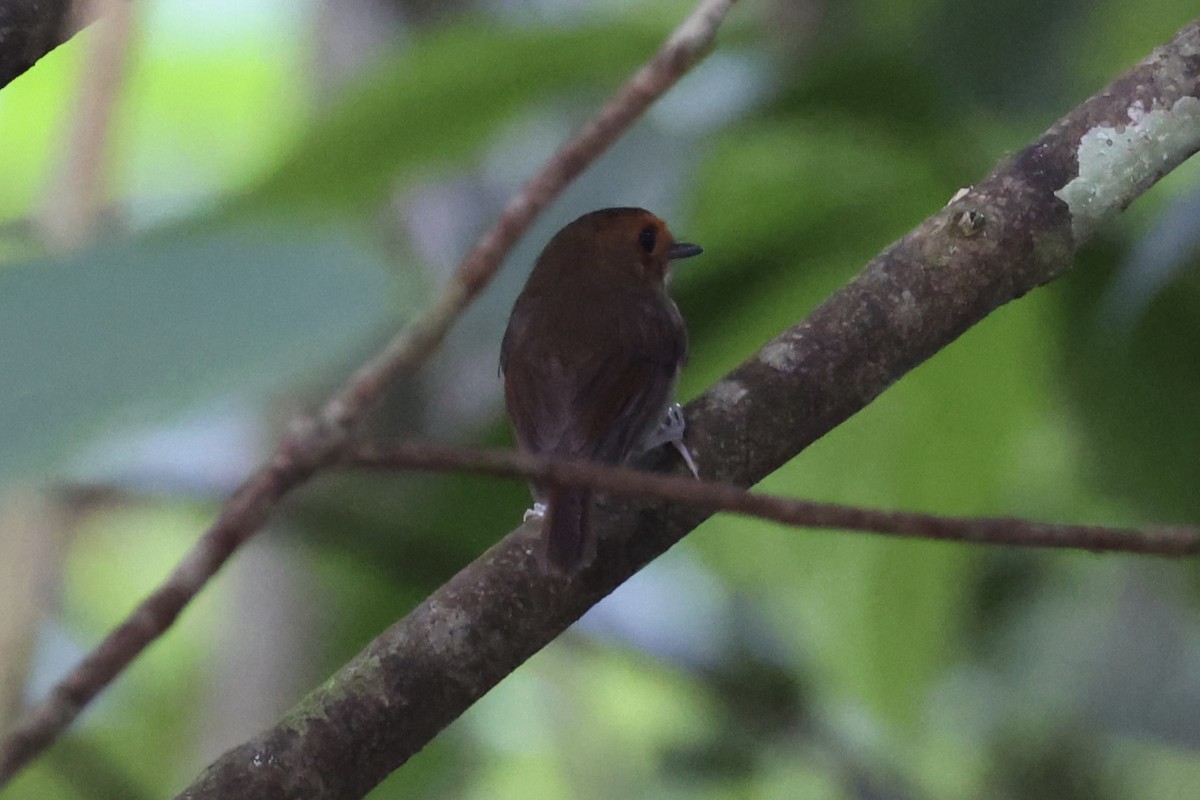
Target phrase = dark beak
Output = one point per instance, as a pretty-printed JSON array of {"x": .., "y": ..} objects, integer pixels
[{"x": 683, "y": 250}]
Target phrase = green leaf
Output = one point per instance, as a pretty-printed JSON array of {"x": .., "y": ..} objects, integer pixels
[
  {"x": 1134, "y": 388},
  {"x": 879, "y": 618},
  {"x": 154, "y": 325},
  {"x": 439, "y": 100}
]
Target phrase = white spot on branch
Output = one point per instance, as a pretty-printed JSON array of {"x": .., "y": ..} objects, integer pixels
[
  {"x": 728, "y": 393},
  {"x": 781, "y": 354},
  {"x": 1116, "y": 164}
]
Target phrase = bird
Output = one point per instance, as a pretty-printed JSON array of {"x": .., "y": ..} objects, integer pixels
[{"x": 590, "y": 359}]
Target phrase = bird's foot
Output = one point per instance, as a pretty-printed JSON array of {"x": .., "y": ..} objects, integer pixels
[
  {"x": 537, "y": 512},
  {"x": 687, "y": 457},
  {"x": 670, "y": 430}
]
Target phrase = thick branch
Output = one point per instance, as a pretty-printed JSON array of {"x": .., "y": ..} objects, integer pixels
[
  {"x": 29, "y": 29},
  {"x": 993, "y": 243},
  {"x": 1161, "y": 540},
  {"x": 315, "y": 443}
]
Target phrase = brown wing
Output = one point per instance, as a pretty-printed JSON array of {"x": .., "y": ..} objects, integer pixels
[
  {"x": 596, "y": 398},
  {"x": 537, "y": 378},
  {"x": 622, "y": 395},
  {"x": 589, "y": 399}
]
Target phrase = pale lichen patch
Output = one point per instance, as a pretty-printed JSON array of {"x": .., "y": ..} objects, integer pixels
[
  {"x": 782, "y": 355},
  {"x": 907, "y": 313},
  {"x": 1118, "y": 163},
  {"x": 450, "y": 629},
  {"x": 728, "y": 393}
]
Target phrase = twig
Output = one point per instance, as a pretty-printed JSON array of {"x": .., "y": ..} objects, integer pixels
[
  {"x": 686, "y": 46},
  {"x": 1160, "y": 540},
  {"x": 75, "y": 199},
  {"x": 31, "y": 554},
  {"x": 995, "y": 242},
  {"x": 314, "y": 443}
]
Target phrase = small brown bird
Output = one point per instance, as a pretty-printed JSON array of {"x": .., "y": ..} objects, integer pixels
[{"x": 590, "y": 359}]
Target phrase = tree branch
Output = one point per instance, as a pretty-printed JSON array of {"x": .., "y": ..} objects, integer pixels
[
  {"x": 76, "y": 197},
  {"x": 1162, "y": 540},
  {"x": 993, "y": 243},
  {"x": 315, "y": 443},
  {"x": 29, "y": 29}
]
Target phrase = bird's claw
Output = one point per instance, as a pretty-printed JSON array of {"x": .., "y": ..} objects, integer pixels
[
  {"x": 687, "y": 457},
  {"x": 670, "y": 430},
  {"x": 537, "y": 512}
]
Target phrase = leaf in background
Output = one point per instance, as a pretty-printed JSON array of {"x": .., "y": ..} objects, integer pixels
[
  {"x": 200, "y": 112},
  {"x": 879, "y": 618},
  {"x": 1135, "y": 388},
  {"x": 154, "y": 325},
  {"x": 439, "y": 100},
  {"x": 787, "y": 210}
]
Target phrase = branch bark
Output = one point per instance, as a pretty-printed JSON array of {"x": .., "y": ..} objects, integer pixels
[
  {"x": 1172, "y": 541},
  {"x": 29, "y": 29},
  {"x": 315, "y": 443},
  {"x": 991, "y": 244}
]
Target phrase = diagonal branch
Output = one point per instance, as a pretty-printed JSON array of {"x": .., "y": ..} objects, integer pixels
[
  {"x": 1172, "y": 541},
  {"x": 315, "y": 443},
  {"x": 29, "y": 29},
  {"x": 993, "y": 243}
]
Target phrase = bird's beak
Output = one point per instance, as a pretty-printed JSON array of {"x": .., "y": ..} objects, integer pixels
[{"x": 683, "y": 250}]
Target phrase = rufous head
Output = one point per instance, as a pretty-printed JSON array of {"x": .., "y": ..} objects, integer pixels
[{"x": 622, "y": 243}]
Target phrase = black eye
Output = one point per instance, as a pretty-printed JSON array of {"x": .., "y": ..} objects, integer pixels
[{"x": 648, "y": 237}]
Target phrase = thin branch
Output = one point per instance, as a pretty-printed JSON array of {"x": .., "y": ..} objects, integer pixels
[
  {"x": 690, "y": 42},
  {"x": 1017, "y": 229},
  {"x": 1160, "y": 540},
  {"x": 314, "y": 443},
  {"x": 75, "y": 198},
  {"x": 31, "y": 555}
]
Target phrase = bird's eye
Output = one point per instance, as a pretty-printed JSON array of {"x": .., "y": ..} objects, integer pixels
[{"x": 648, "y": 237}]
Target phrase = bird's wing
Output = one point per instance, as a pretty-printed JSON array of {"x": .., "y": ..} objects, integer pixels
[
  {"x": 592, "y": 399},
  {"x": 620, "y": 398}
]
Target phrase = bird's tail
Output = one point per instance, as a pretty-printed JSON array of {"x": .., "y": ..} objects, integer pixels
[{"x": 566, "y": 539}]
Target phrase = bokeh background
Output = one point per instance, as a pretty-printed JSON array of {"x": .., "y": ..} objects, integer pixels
[{"x": 285, "y": 183}]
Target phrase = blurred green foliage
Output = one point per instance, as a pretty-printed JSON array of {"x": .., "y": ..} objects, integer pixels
[
  {"x": 752, "y": 661},
  {"x": 436, "y": 103}
]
